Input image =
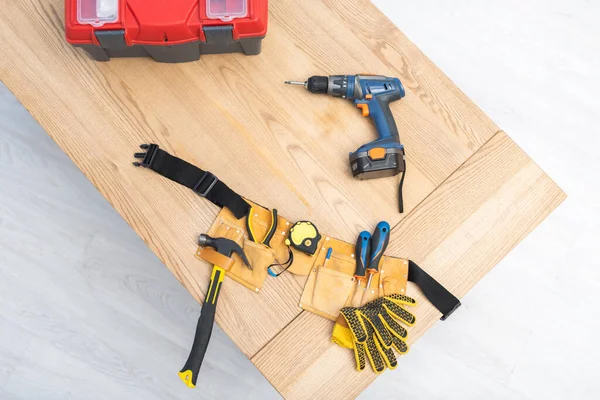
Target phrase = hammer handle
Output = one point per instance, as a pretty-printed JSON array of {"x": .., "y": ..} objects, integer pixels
[{"x": 189, "y": 372}]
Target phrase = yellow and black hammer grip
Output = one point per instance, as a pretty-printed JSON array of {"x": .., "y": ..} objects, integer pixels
[{"x": 189, "y": 372}]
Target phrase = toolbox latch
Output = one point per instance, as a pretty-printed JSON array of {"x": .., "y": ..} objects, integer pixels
[
  {"x": 111, "y": 39},
  {"x": 218, "y": 35}
]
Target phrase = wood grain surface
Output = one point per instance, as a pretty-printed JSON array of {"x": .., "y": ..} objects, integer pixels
[
  {"x": 279, "y": 146},
  {"x": 457, "y": 234}
]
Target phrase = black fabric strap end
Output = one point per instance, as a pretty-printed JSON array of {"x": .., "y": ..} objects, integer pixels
[
  {"x": 204, "y": 183},
  {"x": 439, "y": 296},
  {"x": 400, "y": 188},
  {"x": 449, "y": 313}
]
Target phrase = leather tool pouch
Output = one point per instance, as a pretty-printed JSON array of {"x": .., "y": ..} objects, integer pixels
[
  {"x": 259, "y": 255},
  {"x": 331, "y": 284},
  {"x": 226, "y": 225}
]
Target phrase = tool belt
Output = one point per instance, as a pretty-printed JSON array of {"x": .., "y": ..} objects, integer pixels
[
  {"x": 330, "y": 286},
  {"x": 202, "y": 182}
]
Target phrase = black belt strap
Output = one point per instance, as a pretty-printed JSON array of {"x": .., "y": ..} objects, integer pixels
[
  {"x": 202, "y": 182},
  {"x": 441, "y": 298},
  {"x": 400, "y": 187}
]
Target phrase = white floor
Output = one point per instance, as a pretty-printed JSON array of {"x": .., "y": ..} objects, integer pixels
[{"x": 88, "y": 312}]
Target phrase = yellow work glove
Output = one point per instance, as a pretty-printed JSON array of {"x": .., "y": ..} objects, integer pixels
[{"x": 372, "y": 331}]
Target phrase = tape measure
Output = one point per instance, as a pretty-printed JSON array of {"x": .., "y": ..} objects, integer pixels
[{"x": 304, "y": 237}]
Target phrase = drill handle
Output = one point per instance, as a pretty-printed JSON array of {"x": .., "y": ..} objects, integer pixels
[{"x": 382, "y": 116}]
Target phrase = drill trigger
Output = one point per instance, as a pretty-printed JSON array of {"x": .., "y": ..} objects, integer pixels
[{"x": 365, "y": 109}]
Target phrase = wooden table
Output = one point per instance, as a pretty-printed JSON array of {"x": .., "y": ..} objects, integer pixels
[{"x": 471, "y": 194}]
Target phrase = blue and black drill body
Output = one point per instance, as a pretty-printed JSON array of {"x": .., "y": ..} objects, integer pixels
[{"x": 373, "y": 94}]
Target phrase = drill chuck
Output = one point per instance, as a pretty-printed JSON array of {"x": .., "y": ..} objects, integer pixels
[
  {"x": 317, "y": 84},
  {"x": 334, "y": 85}
]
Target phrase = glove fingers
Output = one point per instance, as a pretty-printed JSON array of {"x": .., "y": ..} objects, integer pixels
[
  {"x": 401, "y": 299},
  {"x": 359, "y": 355},
  {"x": 374, "y": 355},
  {"x": 388, "y": 355},
  {"x": 374, "y": 304},
  {"x": 380, "y": 329},
  {"x": 400, "y": 345},
  {"x": 399, "y": 313},
  {"x": 393, "y": 326},
  {"x": 355, "y": 322}
]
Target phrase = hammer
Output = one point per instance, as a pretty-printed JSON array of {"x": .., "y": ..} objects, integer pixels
[{"x": 226, "y": 247}]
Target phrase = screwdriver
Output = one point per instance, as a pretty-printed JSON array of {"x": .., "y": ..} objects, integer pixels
[
  {"x": 327, "y": 256},
  {"x": 363, "y": 254},
  {"x": 379, "y": 243}
]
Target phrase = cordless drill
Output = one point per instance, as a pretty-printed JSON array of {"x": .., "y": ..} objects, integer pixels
[{"x": 373, "y": 94}]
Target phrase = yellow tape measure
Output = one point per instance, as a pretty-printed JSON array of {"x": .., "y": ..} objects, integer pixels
[{"x": 304, "y": 237}]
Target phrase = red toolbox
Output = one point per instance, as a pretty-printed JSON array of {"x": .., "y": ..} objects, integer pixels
[{"x": 166, "y": 30}]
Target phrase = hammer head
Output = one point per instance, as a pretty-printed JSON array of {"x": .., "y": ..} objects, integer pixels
[{"x": 224, "y": 246}]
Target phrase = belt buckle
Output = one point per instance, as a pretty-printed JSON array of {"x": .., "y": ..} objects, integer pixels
[
  {"x": 146, "y": 157},
  {"x": 205, "y": 176}
]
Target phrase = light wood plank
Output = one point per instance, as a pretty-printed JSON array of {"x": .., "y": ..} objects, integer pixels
[
  {"x": 457, "y": 234},
  {"x": 283, "y": 146},
  {"x": 471, "y": 41}
]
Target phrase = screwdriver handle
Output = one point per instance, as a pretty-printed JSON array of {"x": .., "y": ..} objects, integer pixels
[
  {"x": 379, "y": 243},
  {"x": 363, "y": 254}
]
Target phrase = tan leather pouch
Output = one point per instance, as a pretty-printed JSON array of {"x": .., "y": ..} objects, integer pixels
[
  {"x": 330, "y": 283},
  {"x": 332, "y": 289},
  {"x": 261, "y": 223},
  {"x": 260, "y": 256},
  {"x": 303, "y": 263},
  {"x": 261, "y": 218},
  {"x": 329, "y": 287},
  {"x": 332, "y": 286},
  {"x": 392, "y": 278},
  {"x": 213, "y": 257}
]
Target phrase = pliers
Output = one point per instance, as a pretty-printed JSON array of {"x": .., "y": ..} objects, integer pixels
[{"x": 249, "y": 227}]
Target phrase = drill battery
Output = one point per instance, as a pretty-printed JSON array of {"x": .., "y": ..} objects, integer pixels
[
  {"x": 166, "y": 30},
  {"x": 377, "y": 162}
]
